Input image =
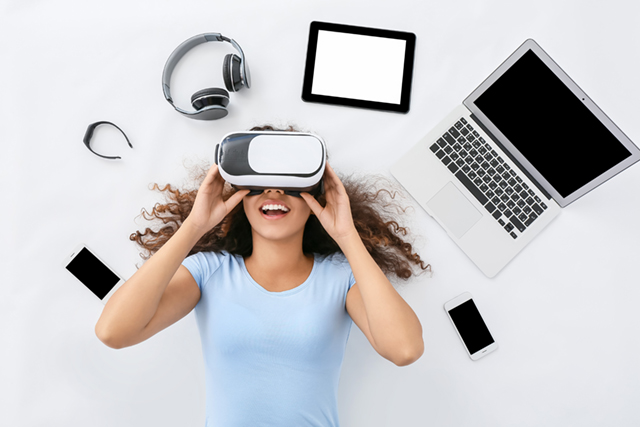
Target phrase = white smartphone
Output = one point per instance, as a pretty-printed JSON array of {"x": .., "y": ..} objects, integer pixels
[
  {"x": 93, "y": 273},
  {"x": 470, "y": 326}
]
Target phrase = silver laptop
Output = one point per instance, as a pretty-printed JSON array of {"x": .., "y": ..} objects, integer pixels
[{"x": 526, "y": 143}]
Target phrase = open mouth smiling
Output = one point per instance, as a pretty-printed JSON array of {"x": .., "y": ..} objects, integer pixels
[{"x": 273, "y": 209}]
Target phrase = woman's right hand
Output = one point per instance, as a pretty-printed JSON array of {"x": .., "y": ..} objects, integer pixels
[{"x": 209, "y": 208}]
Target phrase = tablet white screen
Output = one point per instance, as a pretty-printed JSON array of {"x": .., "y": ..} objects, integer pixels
[{"x": 359, "y": 67}]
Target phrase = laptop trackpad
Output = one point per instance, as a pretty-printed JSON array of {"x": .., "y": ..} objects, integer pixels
[{"x": 454, "y": 210}]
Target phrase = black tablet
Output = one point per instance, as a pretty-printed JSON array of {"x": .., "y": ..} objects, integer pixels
[{"x": 359, "y": 67}]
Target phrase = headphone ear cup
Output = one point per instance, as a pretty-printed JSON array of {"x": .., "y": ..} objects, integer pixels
[
  {"x": 231, "y": 73},
  {"x": 208, "y": 97}
]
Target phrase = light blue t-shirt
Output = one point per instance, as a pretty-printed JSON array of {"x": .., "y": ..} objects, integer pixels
[{"x": 271, "y": 358}]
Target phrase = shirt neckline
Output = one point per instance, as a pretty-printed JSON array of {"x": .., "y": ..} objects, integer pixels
[{"x": 282, "y": 293}]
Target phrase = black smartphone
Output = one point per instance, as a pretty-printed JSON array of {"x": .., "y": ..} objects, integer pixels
[
  {"x": 93, "y": 273},
  {"x": 470, "y": 326}
]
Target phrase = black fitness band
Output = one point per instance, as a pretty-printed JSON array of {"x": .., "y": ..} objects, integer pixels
[{"x": 89, "y": 133}]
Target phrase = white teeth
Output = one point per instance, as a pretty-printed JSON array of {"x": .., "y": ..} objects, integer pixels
[{"x": 274, "y": 207}]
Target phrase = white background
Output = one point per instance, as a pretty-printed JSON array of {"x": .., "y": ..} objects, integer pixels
[{"x": 564, "y": 311}]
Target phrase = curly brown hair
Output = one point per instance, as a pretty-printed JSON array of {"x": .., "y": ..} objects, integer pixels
[{"x": 380, "y": 232}]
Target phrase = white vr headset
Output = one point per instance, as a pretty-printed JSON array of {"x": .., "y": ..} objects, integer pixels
[{"x": 289, "y": 161}]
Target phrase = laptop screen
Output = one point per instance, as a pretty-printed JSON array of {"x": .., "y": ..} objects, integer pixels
[{"x": 550, "y": 126}]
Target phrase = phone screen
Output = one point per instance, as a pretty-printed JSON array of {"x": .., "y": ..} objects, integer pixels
[
  {"x": 471, "y": 326},
  {"x": 93, "y": 273}
]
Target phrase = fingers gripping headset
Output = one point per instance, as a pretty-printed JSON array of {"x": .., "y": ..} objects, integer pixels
[{"x": 210, "y": 103}]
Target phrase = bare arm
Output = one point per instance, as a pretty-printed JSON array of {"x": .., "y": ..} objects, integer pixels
[
  {"x": 127, "y": 317},
  {"x": 162, "y": 291},
  {"x": 388, "y": 322},
  {"x": 391, "y": 326}
]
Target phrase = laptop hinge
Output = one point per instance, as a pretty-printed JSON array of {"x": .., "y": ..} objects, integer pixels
[{"x": 513, "y": 159}]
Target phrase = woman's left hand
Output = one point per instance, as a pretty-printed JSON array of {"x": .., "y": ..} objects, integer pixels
[{"x": 335, "y": 217}]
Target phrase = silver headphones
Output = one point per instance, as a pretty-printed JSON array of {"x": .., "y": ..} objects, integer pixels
[{"x": 210, "y": 103}]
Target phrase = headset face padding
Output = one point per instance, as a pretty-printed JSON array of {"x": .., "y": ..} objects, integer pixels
[
  {"x": 208, "y": 97},
  {"x": 316, "y": 191},
  {"x": 231, "y": 73}
]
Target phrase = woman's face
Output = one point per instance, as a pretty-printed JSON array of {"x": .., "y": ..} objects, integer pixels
[{"x": 275, "y": 215}]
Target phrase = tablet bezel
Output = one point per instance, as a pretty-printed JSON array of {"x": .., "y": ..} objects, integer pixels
[{"x": 405, "y": 98}]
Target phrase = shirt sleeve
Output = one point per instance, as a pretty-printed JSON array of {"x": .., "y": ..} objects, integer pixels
[
  {"x": 202, "y": 265},
  {"x": 352, "y": 280},
  {"x": 347, "y": 269}
]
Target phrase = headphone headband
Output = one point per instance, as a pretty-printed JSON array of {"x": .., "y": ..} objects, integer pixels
[{"x": 185, "y": 47}]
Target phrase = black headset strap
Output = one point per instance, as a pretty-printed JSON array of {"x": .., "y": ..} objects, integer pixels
[{"x": 89, "y": 133}]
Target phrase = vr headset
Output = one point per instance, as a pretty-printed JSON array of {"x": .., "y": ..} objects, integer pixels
[{"x": 289, "y": 161}]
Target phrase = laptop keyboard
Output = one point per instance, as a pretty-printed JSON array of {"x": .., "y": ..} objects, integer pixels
[{"x": 499, "y": 188}]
